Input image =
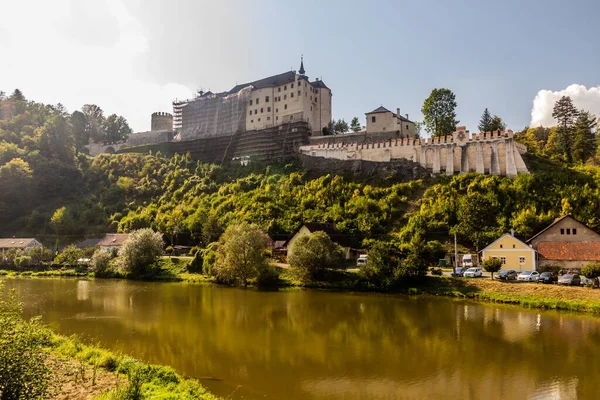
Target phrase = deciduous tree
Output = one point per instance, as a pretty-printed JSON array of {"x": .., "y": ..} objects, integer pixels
[
  {"x": 311, "y": 255},
  {"x": 439, "y": 112}
]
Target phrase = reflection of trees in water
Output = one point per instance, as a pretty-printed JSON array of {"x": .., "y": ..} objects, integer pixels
[{"x": 279, "y": 342}]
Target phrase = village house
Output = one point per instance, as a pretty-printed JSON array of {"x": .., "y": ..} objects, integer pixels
[
  {"x": 566, "y": 243},
  {"x": 18, "y": 243},
  {"x": 383, "y": 120},
  {"x": 513, "y": 253},
  {"x": 112, "y": 242},
  {"x": 350, "y": 244}
]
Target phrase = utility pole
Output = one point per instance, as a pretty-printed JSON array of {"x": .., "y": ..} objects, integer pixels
[{"x": 455, "y": 255}]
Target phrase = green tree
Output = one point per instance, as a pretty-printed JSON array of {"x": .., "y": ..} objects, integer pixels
[
  {"x": 116, "y": 129},
  {"x": 439, "y": 112},
  {"x": 311, "y": 255},
  {"x": 492, "y": 265},
  {"x": 341, "y": 126},
  {"x": 23, "y": 370},
  {"x": 241, "y": 254},
  {"x": 69, "y": 256},
  {"x": 355, "y": 125},
  {"x": 62, "y": 222},
  {"x": 94, "y": 117},
  {"x": 584, "y": 138},
  {"x": 100, "y": 263},
  {"x": 382, "y": 267},
  {"x": 477, "y": 214},
  {"x": 497, "y": 124},
  {"x": 565, "y": 114},
  {"x": 80, "y": 131},
  {"x": 591, "y": 271},
  {"x": 485, "y": 122},
  {"x": 140, "y": 250}
]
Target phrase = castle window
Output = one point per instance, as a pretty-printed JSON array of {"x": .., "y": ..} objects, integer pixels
[
  {"x": 277, "y": 110},
  {"x": 279, "y": 98},
  {"x": 285, "y": 96},
  {"x": 292, "y": 95},
  {"x": 292, "y": 86},
  {"x": 406, "y": 126},
  {"x": 574, "y": 231},
  {"x": 251, "y": 121},
  {"x": 315, "y": 99},
  {"x": 268, "y": 118},
  {"x": 285, "y": 107},
  {"x": 279, "y": 89},
  {"x": 276, "y": 118},
  {"x": 291, "y": 117},
  {"x": 255, "y": 112},
  {"x": 373, "y": 119},
  {"x": 268, "y": 109},
  {"x": 259, "y": 120},
  {"x": 266, "y": 99},
  {"x": 310, "y": 98},
  {"x": 310, "y": 108},
  {"x": 299, "y": 92},
  {"x": 257, "y": 101},
  {"x": 261, "y": 110},
  {"x": 250, "y": 101},
  {"x": 284, "y": 87},
  {"x": 250, "y": 113}
]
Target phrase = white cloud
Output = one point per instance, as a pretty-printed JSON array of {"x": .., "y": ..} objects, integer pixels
[
  {"x": 583, "y": 98},
  {"x": 53, "y": 57}
]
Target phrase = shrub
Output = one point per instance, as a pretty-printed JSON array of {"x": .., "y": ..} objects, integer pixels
[
  {"x": 311, "y": 255},
  {"x": 140, "y": 250},
  {"x": 492, "y": 265},
  {"x": 23, "y": 372},
  {"x": 241, "y": 254},
  {"x": 69, "y": 256},
  {"x": 592, "y": 271},
  {"x": 197, "y": 262},
  {"x": 210, "y": 256},
  {"x": 100, "y": 263},
  {"x": 23, "y": 262},
  {"x": 382, "y": 267}
]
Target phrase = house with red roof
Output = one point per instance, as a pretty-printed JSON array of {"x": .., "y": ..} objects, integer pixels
[{"x": 567, "y": 243}]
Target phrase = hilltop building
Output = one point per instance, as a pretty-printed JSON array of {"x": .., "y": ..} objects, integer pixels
[
  {"x": 383, "y": 120},
  {"x": 261, "y": 104}
]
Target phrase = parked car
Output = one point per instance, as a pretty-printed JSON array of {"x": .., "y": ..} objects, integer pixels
[
  {"x": 473, "y": 272},
  {"x": 585, "y": 281},
  {"x": 437, "y": 271},
  {"x": 507, "y": 274},
  {"x": 361, "y": 260},
  {"x": 528, "y": 276},
  {"x": 547, "y": 277},
  {"x": 459, "y": 272},
  {"x": 570, "y": 280}
]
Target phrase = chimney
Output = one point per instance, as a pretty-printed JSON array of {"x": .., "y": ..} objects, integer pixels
[
  {"x": 512, "y": 232},
  {"x": 407, "y": 116},
  {"x": 398, "y": 112}
]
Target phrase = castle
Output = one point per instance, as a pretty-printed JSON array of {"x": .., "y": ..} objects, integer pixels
[{"x": 287, "y": 114}]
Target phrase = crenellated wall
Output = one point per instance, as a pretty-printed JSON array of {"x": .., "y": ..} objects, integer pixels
[{"x": 495, "y": 153}]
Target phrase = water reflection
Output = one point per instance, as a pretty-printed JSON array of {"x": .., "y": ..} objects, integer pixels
[{"x": 319, "y": 345}]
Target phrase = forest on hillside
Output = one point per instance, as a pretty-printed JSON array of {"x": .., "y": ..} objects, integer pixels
[{"x": 53, "y": 191}]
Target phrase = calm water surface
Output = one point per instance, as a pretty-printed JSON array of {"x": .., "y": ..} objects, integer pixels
[{"x": 322, "y": 345}]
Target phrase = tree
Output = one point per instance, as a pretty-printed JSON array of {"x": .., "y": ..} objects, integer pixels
[
  {"x": 565, "y": 114},
  {"x": 382, "y": 266},
  {"x": 492, "y": 265},
  {"x": 355, "y": 125},
  {"x": 80, "y": 132},
  {"x": 69, "y": 256},
  {"x": 476, "y": 218},
  {"x": 100, "y": 263},
  {"x": 591, "y": 271},
  {"x": 485, "y": 121},
  {"x": 140, "y": 250},
  {"x": 17, "y": 95},
  {"x": 584, "y": 139},
  {"x": 341, "y": 126},
  {"x": 94, "y": 117},
  {"x": 23, "y": 370},
  {"x": 241, "y": 254},
  {"x": 311, "y": 255},
  {"x": 116, "y": 129},
  {"x": 439, "y": 112},
  {"x": 497, "y": 124}
]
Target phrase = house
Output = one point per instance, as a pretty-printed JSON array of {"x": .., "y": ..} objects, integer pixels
[
  {"x": 566, "y": 243},
  {"x": 87, "y": 243},
  {"x": 383, "y": 120},
  {"x": 18, "y": 243},
  {"x": 112, "y": 242},
  {"x": 350, "y": 244},
  {"x": 513, "y": 253}
]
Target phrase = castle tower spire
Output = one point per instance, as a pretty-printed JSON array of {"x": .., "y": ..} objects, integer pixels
[{"x": 301, "y": 70}]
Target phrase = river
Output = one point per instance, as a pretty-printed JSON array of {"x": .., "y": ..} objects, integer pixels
[{"x": 310, "y": 344}]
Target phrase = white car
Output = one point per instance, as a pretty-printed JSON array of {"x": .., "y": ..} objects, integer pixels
[
  {"x": 361, "y": 260},
  {"x": 473, "y": 272},
  {"x": 528, "y": 276}
]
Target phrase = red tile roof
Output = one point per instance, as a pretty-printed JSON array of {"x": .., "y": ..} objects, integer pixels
[{"x": 570, "y": 251}]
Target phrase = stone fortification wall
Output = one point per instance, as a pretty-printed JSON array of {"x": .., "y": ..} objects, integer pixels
[
  {"x": 213, "y": 115},
  {"x": 363, "y": 137},
  {"x": 161, "y": 121},
  {"x": 495, "y": 153},
  {"x": 370, "y": 171},
  {"x": 150, "y": 137},
  {"x": 263, "y": 145}
]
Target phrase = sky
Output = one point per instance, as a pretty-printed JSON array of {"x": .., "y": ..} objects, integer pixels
[{"x": 134, "y": 57}]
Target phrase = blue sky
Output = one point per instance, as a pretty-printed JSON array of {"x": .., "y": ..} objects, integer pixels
[{"x": 133, "y": 57}]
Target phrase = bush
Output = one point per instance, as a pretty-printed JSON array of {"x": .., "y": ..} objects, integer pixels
[
  {"x": 591, "y": 271},
  {"x": 492, "y": 265},
  {"x": 210, "y": 256},
  {"x": 100, "y": 263},
  {"x": 241, "y": 254},
  {"x": 69, "y": 256},
  {"x": 311, "y": 255},
  {"x": 382, "y": 267},
  {"x": 23, "y": 262},
  {"x": 197, "y": 263},
  {"x": 23, "y": 372},
  {"x": 140, "y": 250}
]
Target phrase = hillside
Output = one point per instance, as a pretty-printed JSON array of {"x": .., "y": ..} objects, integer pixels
[{"x": 53, "y": 194}]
